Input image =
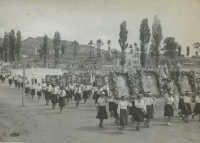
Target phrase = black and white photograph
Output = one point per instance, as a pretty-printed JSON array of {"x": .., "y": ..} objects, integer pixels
[{"x": 99, "y": 71}]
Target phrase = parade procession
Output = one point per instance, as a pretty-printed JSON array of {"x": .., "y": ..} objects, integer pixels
[{"x": 99, "y": 71}]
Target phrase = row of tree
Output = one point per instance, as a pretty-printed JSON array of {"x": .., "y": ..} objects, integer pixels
[
  {"x": 11, "y": 46},
  {"x": 171, "y": 47}
]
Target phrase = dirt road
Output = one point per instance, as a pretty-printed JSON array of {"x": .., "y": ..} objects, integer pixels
[{"x": 37, "y": 122}]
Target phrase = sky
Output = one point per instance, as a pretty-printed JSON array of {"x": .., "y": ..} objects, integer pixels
[{"x": 85, "y": 20}]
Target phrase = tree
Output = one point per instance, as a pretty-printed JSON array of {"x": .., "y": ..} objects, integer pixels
[
  {"x": 6, "y": 46},
  {"x": 179, "y": 50},
  {"x": 136, "y": 48},
  {"x": 75, "y": 43},
  {"x": 45, "y": 49},
  {"x": 63, "y": 48},
  {"x": 99, "y": 44},
  {"x": 90, "y": 44},
  {"x": 123, "y": 34},
  {"x": 56, "y": 41},
  {"x": 188, "y": 51},
  {"x": 144, "y": 40},
  {"x": 156, "y": 39},
  {"x": 18, "y": 45},
  {"x": 197, "y": 53},
  {"x": 196, "y": 46},
  {"x": 12, "y": 40},
  {"x": 170, "y": 47},
  {"x": 1, "y": 52}
]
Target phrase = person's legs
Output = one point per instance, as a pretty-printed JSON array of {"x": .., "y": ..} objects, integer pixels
[
  {"x": 122, "y": 129},
  {"x": 138, "y": 126},
  {"x": 101, "y": 122},
  {"x": 148, "y": 121},
  {"x": 194, "y": 115}
]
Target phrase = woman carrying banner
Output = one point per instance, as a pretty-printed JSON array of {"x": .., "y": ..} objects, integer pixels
[
  {"x": 140, "y": 110},
  {"x": 54, "y": 96},
  {"x": 62, "y": 95},
  {"x": 196, "y": 110},
  {"x": 39, "y": 91},
  {"x": 169, "y": 103},
  {"x": 187, "y": 110},
  {"x": 122, "y": 111},
  {"x": 101, "y": 109}
]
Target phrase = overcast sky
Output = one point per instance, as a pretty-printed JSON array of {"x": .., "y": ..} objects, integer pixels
[{"x": 85, "y": 20}]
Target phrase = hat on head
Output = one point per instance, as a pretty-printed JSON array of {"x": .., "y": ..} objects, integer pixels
[
  {"x": 188, "y": 92},
  {"x": 102, "y": 92},
  {"x": 123, "y": 95},
  {"x": 148, "y": 92}
]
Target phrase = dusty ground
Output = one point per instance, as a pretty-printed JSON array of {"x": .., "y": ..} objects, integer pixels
[{"x": 39, "y": 123}]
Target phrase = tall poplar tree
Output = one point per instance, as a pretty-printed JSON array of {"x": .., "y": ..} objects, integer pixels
[
  {"x": 18, "y": 45},
  {"x": 56, "y": 41},
  {"x": 12, "y": 40},
  {"x": 6, "y": 46}
]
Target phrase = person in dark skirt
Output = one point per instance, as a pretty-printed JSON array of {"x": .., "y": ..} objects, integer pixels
[
  {"x": 18, "y": 82},
  {"x": 39, "y": 91},
  {"x": 187, "y": 110},
  {"x": 72, "y": 88},
  {"x": 196, "y": 110},
  {"x": 140, "y": 110},
  {"x": 48, "y": 93},
  {"x": 85, "y": 93},
  {"x": 33, "y": 87},
  {"x": 169, "y": 103},
  {"x": 180, "y": 105},
  {"x": 44, "y": 88},
  {"x": 122, "y": 111},
  {"x": 101, "y": 109},
  {"x": 10, "y": 79},
  {"x": 132, "y": 109},
  {"x": 78, "y": 92},
  {"x": 149, "y": 102},
  {"x": 62, "y": 95},
  {"x": 111, "y": 104},
  {"x": 54, "y": 96},
  {"x": 67, "y": 91},
  {"x": 27, "y": 89}
]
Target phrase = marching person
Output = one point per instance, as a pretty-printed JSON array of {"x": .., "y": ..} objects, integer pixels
[
  {"x": 122, "y": 111},
  {"x": 180, "y": 105},
  {"x": 54, "y": 96},
  {"x": 21, "y": 83},
  {"x": 62, "y": 95},
  {"x": 140, "y": 110},
  {"x": 39, "y": 91},
  {"x": 15, "y": 81},
  {"x": 3, "y": 77},
  {"x": 44, "y": 88},
  {"x": 33, "y": 87},
  {"x": 67, "y": 91},
  {"x": 10, "y": 79},
  {"x": 85, "y": 92},
  {"x": 27, "y": 89},
  {"x": 111, "y": 104},
  {"x": 187, "y": 111},
  {"x": 78, "y": 92},
  {"x": 18, "y": 82},
  {"x": 72, "y": 88},
  {"x": 169, "y": 103},
  {"x": 48, "y": 93},
  {"x": 196, "y": 110},
  {"x": 132, "y": 108},
  {"x": 116, "y": 115},
  {"x": 149, "y": 102},
  {"x": 101, "y": 109}
]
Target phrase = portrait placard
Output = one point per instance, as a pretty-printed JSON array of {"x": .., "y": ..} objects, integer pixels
[
  {"x": 63, "y": 81},
  {"x": 185, "y": 85},
  {"x": 99, "y": 80},
  {"x": 79, "y": 79},
  {"x": 87, "y": 78},
  {"x": 53, "y": 79}
]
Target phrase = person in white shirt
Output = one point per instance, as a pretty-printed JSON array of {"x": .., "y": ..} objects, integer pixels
[
  {"x": 169, "y": 103},
  {"x": 10, "y": 78},
  {"x": 21, "y": 83},
  {"x": 196, "y": 110},
  {"x": 67, "y": 90},
  {"x": 62, "y": 95},
  {"x": 27, "y": 89},
  {"x": 149, "y": 102},
  {"x": 33, "y": 87},
  {"x": 140, "y": 110},
  {"x": 101, "y": 109},
  {"x": 44, "y": 88},
  {"x": 72, "y": 88},
  {"x": 122, "y": 111},
  {"x": 85, "y": 92},
  {"x": 78, "y": 92},
  {"x": 15, "y": 80},
  {"x": 54, "y": 96},
  {"x": 48, "y": 94},
  {"x": 111, "y": 104},
  {"x": 18, "y": 82},
  {"x": 39, "y": 91},
  {"x": 187, "y": 111}
]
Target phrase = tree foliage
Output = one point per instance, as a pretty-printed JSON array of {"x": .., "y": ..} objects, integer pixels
[
  {"x": 144, "y": 40},
  {"x": 156, "y": 39},
  {"x": 45, "y": 49},
  {"x": 99, "y": 44},
  {"x": 179, "y": 50},
  {"x": 75, "y": 44},
  {"x": 188, "y": 51},
  {"x": 170, "y": 47},
  {"x": 6, "y": 46},
  {"x": 18, "y": 45},
  {"x": 63, "y": 48},
  {"x": 90, "y": 44},
  {"x": 1, "y": 52},
  {"x": 56, "y": 41},
  {"x": 123, "y": 35},
  {"x": 12, "y": 45}
]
